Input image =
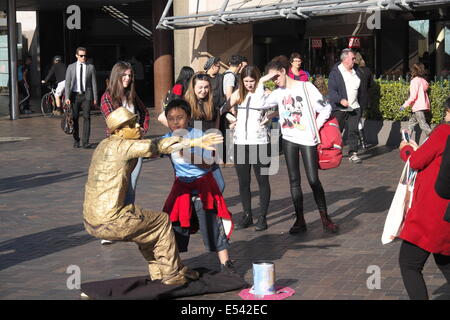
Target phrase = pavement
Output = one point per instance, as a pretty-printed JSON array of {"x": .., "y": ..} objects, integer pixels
[{"x": 42, "y": 238}]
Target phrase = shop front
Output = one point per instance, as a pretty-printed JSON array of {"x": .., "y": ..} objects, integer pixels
[{"x": 328, "y": 36}]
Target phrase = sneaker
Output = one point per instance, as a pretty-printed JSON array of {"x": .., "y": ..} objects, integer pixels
[
  {"x": 104, "y": 241},
  {"x": 354, "y": 158},
  {"x": 228, "y": 267}
]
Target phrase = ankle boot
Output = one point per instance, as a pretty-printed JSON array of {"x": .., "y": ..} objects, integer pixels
[
  {"x": 245, "y": 222},
  {"x": 327, "y": 224},
  {"x": 261, "y": 224},
  {"x": 299, "y": 225}
]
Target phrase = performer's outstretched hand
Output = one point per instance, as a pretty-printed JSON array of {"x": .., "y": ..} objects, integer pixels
[
  {"x": 170, "y": 144},
  {"x": 207, "y": 141}
]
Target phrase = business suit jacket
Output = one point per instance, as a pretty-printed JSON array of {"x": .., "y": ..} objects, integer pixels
[
  {"x": 91, "y": 82},
  {"x": 337, "y": 89}
]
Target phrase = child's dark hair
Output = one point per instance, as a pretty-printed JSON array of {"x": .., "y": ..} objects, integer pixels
[{"x": 178, "y": 103}]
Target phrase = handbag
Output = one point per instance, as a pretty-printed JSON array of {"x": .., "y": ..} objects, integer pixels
[
  {"x": 400, "y": 205},
  {"x": 329, "y": 149},
  {"x": 67, "y": 119}
]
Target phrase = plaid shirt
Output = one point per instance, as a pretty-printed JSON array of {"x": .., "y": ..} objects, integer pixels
[{"x": 144, "y": 117}]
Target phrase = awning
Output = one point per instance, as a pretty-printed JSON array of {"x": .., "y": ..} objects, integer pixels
[{"x": 299, "y": 9}]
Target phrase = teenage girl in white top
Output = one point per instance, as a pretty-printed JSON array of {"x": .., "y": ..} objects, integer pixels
[
  {"x": 298, "y": 135},
  {"x": 251, "y": 147}
]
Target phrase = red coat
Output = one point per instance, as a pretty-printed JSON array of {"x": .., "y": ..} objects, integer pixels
[{"x": 424, "y": 224}]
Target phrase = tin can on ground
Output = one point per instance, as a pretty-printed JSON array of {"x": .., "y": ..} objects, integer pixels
[{"x": 263, "y": 278}]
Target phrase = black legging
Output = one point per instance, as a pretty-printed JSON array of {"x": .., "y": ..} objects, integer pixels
[
  {"x": 309, "y": 154},
  {"x": 243, "y": 156},
  {"x": 412, "y": 259}
]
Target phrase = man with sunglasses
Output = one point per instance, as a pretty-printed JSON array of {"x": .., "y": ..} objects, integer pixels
[
  {"x": 344, "y": 92},
  {"x": 81, "y": 93}
]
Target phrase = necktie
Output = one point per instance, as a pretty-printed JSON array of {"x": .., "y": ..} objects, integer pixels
[{"x": 81, "y": 78}]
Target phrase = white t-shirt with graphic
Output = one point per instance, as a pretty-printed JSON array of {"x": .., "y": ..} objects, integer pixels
[{"x": 295, "y": 117}]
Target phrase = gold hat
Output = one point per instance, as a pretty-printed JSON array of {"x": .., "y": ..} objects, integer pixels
[{"x": 118, "y": 117}]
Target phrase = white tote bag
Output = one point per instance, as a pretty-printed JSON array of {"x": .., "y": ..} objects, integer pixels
[{"x": 400, "y": 205}]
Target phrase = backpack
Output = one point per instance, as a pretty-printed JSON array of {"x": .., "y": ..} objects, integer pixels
[{"x": 329, "y": 149}]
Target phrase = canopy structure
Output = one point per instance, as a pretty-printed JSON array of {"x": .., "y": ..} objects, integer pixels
[{"x": 299, "y": 9}]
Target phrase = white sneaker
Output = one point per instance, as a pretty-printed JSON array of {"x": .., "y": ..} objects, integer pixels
[
  {"x": 104, "y": 241},
  {"x": 354, "y": 158}
]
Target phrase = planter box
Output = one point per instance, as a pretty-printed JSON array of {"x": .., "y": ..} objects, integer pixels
[{"x": 389, "y": 132}]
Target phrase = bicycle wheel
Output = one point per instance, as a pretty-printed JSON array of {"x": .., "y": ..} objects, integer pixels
[{"x": 47, "y": 104}]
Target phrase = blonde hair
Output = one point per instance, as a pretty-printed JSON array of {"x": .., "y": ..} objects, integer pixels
[
  {"x": 359, "y": 60},
  {"x": 321, "y": 85},
  {"x": 208, "y": 108}
]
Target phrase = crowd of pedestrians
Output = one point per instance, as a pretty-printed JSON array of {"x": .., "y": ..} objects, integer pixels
[{"x": 242, "y": 105}]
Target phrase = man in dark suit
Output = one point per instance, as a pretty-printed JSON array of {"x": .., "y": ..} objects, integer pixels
[
  {"x": 344, "y": 93},
  {"x": 81, "y": 93}
]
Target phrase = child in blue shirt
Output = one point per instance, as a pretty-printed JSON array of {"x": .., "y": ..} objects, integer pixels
[{"x": 194, "y": 177}]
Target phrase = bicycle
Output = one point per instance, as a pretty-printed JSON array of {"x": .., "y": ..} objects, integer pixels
[{"x": 48, "y": 102}]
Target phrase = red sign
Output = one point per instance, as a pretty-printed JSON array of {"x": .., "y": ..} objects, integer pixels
[
  {"x": 354, "y": 42},
  {"x": 316, "y": 43}
]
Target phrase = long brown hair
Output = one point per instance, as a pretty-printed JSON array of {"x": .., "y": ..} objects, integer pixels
[
  {"x": 417, "y": 70},
  {"x": 208, "y": 108},
  {"x": 115, "y": 87},
  {"x": 248, "y": 71}
]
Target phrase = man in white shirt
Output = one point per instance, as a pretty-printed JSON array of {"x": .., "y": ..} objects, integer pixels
[
  {"x": 343, "y": 93},
  {"x": 81, "y": 93}
]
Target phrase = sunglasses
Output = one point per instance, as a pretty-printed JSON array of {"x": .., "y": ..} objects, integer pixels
[{"x": 82, "y": 55}]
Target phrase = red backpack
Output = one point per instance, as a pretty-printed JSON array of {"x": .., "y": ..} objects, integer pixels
[{"x": 330, "y": 148}]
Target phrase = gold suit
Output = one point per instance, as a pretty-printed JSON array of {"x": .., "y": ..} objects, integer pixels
[{"x": 106, "y": 215}]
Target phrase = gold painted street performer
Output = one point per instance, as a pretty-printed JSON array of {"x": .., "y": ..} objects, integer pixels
[{"x": 108, "y": 216}]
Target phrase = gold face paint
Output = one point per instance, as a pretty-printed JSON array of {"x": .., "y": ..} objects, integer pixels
[{"x": 130, "y": 130}]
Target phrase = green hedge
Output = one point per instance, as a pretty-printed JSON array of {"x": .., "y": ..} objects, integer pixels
[{"x": 388, "y": 96}]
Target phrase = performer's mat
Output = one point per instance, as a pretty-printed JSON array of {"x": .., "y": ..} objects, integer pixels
[{"x": 142, "y": 288}]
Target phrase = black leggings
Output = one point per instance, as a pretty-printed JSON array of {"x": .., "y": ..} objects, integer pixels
[
  {"x": 246, "y": 156},
  {"x": 412, "y": 259},
  {"x": 309, "y": 154}
]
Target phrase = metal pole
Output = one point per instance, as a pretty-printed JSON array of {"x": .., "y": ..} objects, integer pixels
[{"x": 12, "y": 59}]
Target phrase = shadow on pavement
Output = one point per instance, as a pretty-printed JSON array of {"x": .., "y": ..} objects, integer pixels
[
  {"x": 28, "y": 181},
  {"x": 270, "y": 247},
  {"x": 376, "y": 200},
  {"x": 376, "y": 151},
  {"x": 443, "y": 293},
  {"x": 37, "y": 245}
]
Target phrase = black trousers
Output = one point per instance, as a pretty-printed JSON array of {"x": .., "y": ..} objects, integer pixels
[
  {"x": 81, "y": 103},
  {"x": 352, "y": 120},
  {"x": 310, "y": 160},
  {"x": 258, "y": 157},
  {"x": 412, "y": 260}
]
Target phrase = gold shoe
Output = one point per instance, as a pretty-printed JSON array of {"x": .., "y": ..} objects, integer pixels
[
  {"x": 179, "y": 279},
  {"x": 189, "y": 273}
]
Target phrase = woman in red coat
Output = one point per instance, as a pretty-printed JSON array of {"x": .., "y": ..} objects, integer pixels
[{"x": 425, "y": 231}]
